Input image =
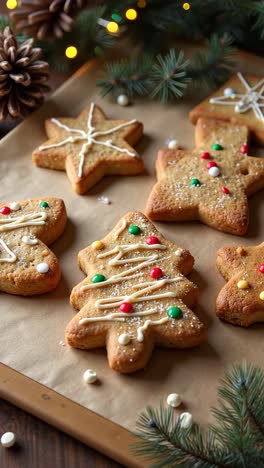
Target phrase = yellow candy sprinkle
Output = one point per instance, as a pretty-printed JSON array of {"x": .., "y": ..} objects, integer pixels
[
  {"x": 242, "y": 284},
  {"x": 261, "y": 296},
  {"x": 97, "y": 245}
]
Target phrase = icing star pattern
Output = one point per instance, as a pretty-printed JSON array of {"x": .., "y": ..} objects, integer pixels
[
  {"x": 241, "y": 300},
  {"x": 27, "y": 265},
  {"x": 212, "y": 183},
  {"x": 252, "y": 98},
  {"x": 140, "y": 298},
  {"x": 89, "y": 143}
]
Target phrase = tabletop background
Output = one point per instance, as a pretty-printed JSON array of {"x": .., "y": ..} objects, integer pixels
[{"x": 38, "y": 444}]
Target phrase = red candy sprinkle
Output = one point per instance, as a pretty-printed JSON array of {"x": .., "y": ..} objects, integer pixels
[
  {"x": 205, "y": 155},
  {"x": 125, "y": 307},
  {"x": 225, "y": 190},
  {"x": 211, "y": 164},
  {"x": 261, "y": 268},
  {"x": 156, "y": 272},
  {"x": 5, "y": 210},
  {"x": 244, "y": 149},
  {"x": 152, "y": 240}
]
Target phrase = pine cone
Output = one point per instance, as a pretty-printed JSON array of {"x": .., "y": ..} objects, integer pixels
[
  {"x": 22, "y": 76},
  {"x": 45, "y": 18}
]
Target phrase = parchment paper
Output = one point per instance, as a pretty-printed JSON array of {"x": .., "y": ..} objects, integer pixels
[{"x": 32, "y": 328}]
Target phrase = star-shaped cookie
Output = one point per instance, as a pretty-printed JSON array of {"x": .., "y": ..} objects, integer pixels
[
  {"x": 210, "y": 184},
  {"x": 89, "y": 147},
  {"x": 240, "y": 101},
  {"x": 27, "y": 265},
  {"x": 135, "y": 296},
  {"x": 241, "y": 301}
]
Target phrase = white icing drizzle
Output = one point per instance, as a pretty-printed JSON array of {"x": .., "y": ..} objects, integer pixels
[
  {"x": 141, "y": 290},
  {"x": 34, "y": 219},
  {"x": 140, "y": 335},
  {"x": 12, "y": 257},
  {"x": 89, "y": 137},
  {"x": 121, "y": 250},
  {"x": 121, "y": 228},
  {"x": 253, "y": 98}
]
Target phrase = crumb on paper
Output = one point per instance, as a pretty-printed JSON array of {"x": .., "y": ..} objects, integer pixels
[
  {"x": 61, "y": 343},
  {"x": 104, "y": 200}
]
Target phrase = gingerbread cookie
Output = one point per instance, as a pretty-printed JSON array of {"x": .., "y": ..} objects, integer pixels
[
  {"x": 239, "y": 101},
  {"x": 135, "y": 296},
  {"x": 90, "y": 147},
  {"x": 212, "y": 183},
  {"x": 27, "y": 265},
  {"x": 241, "y": 301}
]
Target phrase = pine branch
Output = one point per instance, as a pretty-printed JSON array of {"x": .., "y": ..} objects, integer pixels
[
  {"x": 236, "y": 440},
  {"x": 167, "y": 77}
]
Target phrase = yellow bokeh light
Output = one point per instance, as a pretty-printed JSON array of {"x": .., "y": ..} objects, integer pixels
[
  {"x": 131, "y": 14},
  {"x": 186, "y": 6},
  {"x": 71, "y": 52},
  {"x": 112, "y": 27},
  {"x": 11, "y": 4},
  {"x": 141, "y": 3}
]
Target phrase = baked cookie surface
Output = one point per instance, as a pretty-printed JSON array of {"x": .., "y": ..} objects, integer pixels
[
  {"x": 211, "y": 183},
  {"x": 241, "y": 300},
  {"x": 240, "y": 101},
  {"x": 27, "y": 265},
  {"x": 135, "y": 296},
  {"x": 89, "y": 147}
]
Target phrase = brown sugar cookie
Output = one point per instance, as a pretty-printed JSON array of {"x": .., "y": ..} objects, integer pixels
[
  {"x": 239, "y": 101},
  {"x": 135, "y": 296},
  {"x": 89, "y": 147},
  {"x": 241, "y": 300},
  {"x": 211, "y": 183},
  {"x": 27, "y": 265}
]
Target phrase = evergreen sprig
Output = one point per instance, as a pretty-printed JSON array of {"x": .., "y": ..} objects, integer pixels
[
  {"x": 168, "y": 76},
  {"x": 236, "y": 439}
]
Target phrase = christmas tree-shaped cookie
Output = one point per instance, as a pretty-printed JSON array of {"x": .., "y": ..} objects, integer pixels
[
  {"x": 27, "y": 265},
  {"x": 211, "y": 183},
  {"x": 239, "y": 101},
  {"x": 135, "y": 296},
  {"x": 89, "y": 147},
  {"x": 241, "y": 300}
]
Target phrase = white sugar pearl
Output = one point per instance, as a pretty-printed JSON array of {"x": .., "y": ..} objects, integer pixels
[
  {"x": 43, "y": 267},
  {"x": 228, "y": 92},
  {"x": 29, "y": 240},
  {"x": 8, "y": 439},
  {"x": 122, "y": 100},
  {"x": 174, "y": 400},
  {"x": 178, "y": 252},
  {"x": 214, "y": 171},
  {"x": 124, "y": 339},
  {"x": 186, "y": 420},
  {"x": 15, "y": 206},
  {"x": 90, "y": 376},
  {"x": 173, "y": 144}
]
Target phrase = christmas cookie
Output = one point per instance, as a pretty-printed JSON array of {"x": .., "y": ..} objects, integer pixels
[
  {"x": 89, "y": 147},
  {"x": 27, "y": 265},
  {"x": 135, "y": 296},
  {"x": 241, "y": 301},
  {"x": 240, "y": 101},
  {"x": 210, "y": 184}
]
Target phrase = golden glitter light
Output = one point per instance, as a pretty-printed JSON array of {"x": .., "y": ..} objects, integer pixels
[
  {"x": 11, "y": 4},
  {"x": 186, "y": 6},
  {"x": 71, "y": 52},
  {"x": 112, "y": 27},
  {"x": 131, "y": 14}
]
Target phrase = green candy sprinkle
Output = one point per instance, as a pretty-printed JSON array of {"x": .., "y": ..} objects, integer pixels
[
  {"x": 195, "y": 182},
  {"x": 44, "y": 204},
  {"x": 174, "y": 312},
  {"x": 217, "y": 147},
  {"x": 133, "y": 229},
  {"x": 98, "y": 278}
]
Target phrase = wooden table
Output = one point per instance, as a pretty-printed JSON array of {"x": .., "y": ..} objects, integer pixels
[{"x": 40, "y": 445}]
